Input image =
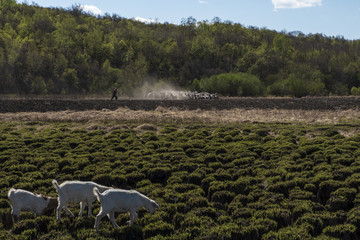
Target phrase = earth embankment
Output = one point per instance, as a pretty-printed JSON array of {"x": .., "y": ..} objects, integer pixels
[{"x": 316, "y": 103}]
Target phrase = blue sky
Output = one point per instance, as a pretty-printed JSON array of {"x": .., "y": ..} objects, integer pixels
[{"x": 329, "y": 17}]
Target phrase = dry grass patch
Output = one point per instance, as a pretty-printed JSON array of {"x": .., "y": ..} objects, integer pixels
[
  {"x": 193, "y": 116},
  {"x": 146, "y": 127},
  {"x": 119, "y": 127},
  {"x": 348, "y": 133},
  {"x": 94, "y": 127}
]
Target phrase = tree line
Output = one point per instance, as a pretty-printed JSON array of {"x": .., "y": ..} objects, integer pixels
[{"x": 69, "y": 51}]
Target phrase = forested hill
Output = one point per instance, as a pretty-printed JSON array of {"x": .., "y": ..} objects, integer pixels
[{"x": 67, "y": 51}]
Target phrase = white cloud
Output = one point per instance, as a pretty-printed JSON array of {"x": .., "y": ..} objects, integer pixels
[
  {"x": 203, "y": 2},
  {"x": 145, "y": 20},
  {"x": 91, "y": 9},
  {"x": 278, "y": 4}
]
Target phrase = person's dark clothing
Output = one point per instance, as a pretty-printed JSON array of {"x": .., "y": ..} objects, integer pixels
[{"x": 114, "y": 94}]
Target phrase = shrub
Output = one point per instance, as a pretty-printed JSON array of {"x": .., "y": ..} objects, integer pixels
[
  {"x": 222, "y": 196},
  {"x": 353, "y": 181},
  {"x": 134, "y": 177},
  {"x": 26, "y": 224},
  {"x": 210, "y": 158},
  {"x": 205, "y": 211},
  {"x": 120, "y": 148},
  {"x": 149, "y": 136},
  {"x": 118, "y": 180},
  {"x": 233, "y": 84},
  {"x": 84, "y": 234},
  {"x": 243, "y": 162},
  {"x": 353, "y": 216},
  {"x": 216, "y": 186},
  {"x": 342, "y": 199},
  {"x": 5, "y": 234},
  {"x": 249, "y": 232},
  {"x": 159, "y": 174},
  {"x": 5, "y": 218},
  {"x": 283, "y": 187},
  {"x": 29, "y": 234},
  {"x": 63, "y": 163},
  {"x": 222, "y": 175},
  {"x": 262, "y": 132},
  {"x": 56, "y": 234},
  {"x": 4, "y": 203},
  {"x": 26, "y": 167},
  {"x": 309, "y": 187},
  {"x": 174, "y": 179},
  {"x": 182, "y": 188},
  {"x": 344, "y": 161},
  {"x": 241, "y": 185},
  {"x": 325, "y": 189},
  {"x": 178, "y": 219},
  {"x": 68, "y": 169},
  {"x": 297, "y": 193},
  {"x": 24, "y": 185},
  {"x": 241, "y": 213},
  {"x": 196, "y": 202},
  {"x": 313, "y": 220},
  {"x": 168, "y": 129},
  {"x": 103, "y": 179},
  {"x": 300, "y": 207},
  {"x": 294, "y": 233},
  {"x": 264, "y": 225},
  {"x": 43, "y": 223},
  {"x": 357, "y": 200},
  {"x": 279, "y": 215},
  {"x": 228, "y": 138},
  {"x": 194, "y": 152},
  {"x": 191, "y": 220},
  {"x": 205, "y": 183},
  {"x": 343, "y": 231},
  {"x": 342, "y": 173},
  {"x": 225, "y": 231},
  {"x": 195, "y": 178},
  {"x": 331, "y": 132}
]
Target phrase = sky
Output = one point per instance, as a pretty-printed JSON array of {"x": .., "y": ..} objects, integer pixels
[{"x": 328, "y": 17}]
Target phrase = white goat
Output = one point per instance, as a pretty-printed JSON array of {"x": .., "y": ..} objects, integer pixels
[
  {"x": 22, "y": 200},
  {"x": 74, "y": 192},
  {"x": 117, "y": 200}
]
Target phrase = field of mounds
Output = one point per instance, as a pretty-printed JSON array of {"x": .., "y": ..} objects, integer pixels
[
  {"x": 230, "y": 168},
  {"x": 212, "y": 181}
]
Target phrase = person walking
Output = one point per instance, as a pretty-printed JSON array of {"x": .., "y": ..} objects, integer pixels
[{"x": 114, "y": 94}]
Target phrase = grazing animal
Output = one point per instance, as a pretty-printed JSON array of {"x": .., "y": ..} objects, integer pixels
[
  {"x": 117, "y": 200},
  {"x": 22, "y": 200},
  {"x": 74, "y": 192}
]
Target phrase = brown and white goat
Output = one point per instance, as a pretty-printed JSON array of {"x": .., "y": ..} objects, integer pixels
[{"x": 23, "y": 200}]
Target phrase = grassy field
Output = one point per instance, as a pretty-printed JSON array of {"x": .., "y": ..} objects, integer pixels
[{"x": 234, "y": 174}]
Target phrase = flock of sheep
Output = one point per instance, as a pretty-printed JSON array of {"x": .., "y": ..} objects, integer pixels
[
  {"x": 179, "y": 95},
  {"x": 111, "y": 200}
]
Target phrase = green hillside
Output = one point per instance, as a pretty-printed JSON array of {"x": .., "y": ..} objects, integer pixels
[{"x": 68, "y": 51}]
